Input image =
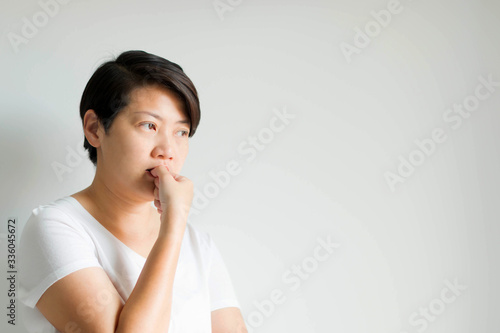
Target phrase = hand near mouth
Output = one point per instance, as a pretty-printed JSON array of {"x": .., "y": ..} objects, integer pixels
[
  {"x": 149, "y": 170},
  {"x": 173, "y": 193}
]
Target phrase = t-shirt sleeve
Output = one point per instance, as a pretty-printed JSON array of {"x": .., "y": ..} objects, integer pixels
[
  {"x": 51, "y": 246},
  {"x": 219, "y": 283}
]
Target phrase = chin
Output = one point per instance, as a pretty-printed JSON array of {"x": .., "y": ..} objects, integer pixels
[{"x": 146, "y": 192}]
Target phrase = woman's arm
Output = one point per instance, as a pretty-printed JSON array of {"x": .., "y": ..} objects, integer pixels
[
  {"x": 75, "y": 303},
  {"x": 148, "y": 308},
  {"x": 228, "y": 320},
  {"x": 87, "y": 301}
]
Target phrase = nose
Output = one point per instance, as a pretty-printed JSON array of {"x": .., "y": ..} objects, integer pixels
[{"x": 162, "y": 148}]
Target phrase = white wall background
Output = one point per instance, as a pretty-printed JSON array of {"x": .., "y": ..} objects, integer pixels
[{"x": 322, "y": 175}]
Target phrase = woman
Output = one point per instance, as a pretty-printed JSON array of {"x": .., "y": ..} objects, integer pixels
[{"x": 104, "y": 259}]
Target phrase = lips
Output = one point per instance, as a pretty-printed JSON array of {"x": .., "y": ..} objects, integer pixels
[
  {"x": 149, "y": 170},
  {"x": 155, "y": 167}
]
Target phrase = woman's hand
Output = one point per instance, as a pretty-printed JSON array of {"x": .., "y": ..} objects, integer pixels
[{"x": 173, "y": 193}]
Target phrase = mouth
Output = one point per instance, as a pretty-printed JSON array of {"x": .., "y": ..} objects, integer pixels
[
  {"x": 149, "y": 170},
  {"x": 158, "y": 166}
]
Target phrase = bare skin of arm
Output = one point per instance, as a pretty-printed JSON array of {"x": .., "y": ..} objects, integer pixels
[
  {"x": 87, "y": 301},
  {"x": 228, "y": 320}
]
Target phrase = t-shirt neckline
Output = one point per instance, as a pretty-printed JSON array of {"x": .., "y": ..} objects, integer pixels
[{"x": 85, "y": 212}]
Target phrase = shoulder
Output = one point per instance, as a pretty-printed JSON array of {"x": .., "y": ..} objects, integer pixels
[
  {"x": 48, "y": 218},
  {"x": 55, "y": 209}
]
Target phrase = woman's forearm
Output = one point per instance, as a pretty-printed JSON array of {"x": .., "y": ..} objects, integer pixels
[{"x": 148, "y": 307}]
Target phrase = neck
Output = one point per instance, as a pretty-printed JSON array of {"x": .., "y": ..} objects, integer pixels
[{"x": 119, "y": 214}]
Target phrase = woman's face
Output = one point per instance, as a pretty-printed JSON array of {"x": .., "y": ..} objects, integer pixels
[{"x": 151, "y": 131}]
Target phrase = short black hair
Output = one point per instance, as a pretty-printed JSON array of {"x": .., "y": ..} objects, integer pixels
[{"x": 108, "y": 90}]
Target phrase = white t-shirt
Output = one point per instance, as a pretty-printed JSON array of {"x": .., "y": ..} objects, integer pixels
[{"x": 63, "y": 237}]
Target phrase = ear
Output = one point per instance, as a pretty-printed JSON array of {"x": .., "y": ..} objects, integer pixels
[{"x": 92, "y": 128}]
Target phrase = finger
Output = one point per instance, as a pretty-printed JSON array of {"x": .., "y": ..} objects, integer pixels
[
  {"x": 176, "y": 177},
  {"x": 158, "y": 204},
  {"x": 160, "y": 171}
]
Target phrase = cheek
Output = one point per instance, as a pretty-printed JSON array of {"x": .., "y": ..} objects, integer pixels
[
  {"x": 124, "y": 151},
  {"x": 183, "y": 150},
  {"x": 182, "y": 154}
]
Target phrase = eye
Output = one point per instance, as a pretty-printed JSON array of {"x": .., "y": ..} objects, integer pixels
[
  {"x": 184, "y": 133},
  {"x": 149, "y": 126}
]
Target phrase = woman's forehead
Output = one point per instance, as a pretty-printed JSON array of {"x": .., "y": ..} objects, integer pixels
[{"x": 156, "y": 102}]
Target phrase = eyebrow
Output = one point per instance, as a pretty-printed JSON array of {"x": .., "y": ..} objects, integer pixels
[{"x": 154, "y": 115}]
